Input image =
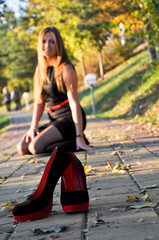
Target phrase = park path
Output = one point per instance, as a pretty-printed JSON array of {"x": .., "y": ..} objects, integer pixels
[{"x": 122, "y": 177}]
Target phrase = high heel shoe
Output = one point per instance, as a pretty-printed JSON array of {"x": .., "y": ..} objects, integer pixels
[
  {"x": 39, "y": 203},
  {"x": 74, "y": 194}
]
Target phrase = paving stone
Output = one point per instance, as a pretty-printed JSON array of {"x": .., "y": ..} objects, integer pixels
[
  {"x": 72, "y": 222},
  {"x": 110, "y": 215}
]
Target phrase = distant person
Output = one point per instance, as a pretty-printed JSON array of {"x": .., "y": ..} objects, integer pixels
[
  {"x": 6, "y": 98},
  {"x": 55, "y": 84},
  {"x": 16, "y": 97}
]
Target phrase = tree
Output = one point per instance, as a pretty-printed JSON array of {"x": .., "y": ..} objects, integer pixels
[
  {"x": 18, "y": 57},
  {"x": 82, "y": 24},
  {"x": 148, "y": 12},
  {"x": 85, "y": 23},
  {"x": 2, "y": 8},
  {"x": 6, "y": 22}
]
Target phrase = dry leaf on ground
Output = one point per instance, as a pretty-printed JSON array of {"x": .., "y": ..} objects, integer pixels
[
  {"x": 29, "y": 173},
  {"x": 88, "y": 169},
  {"x": 102, "y": 174},
  {"x": 151, "y": 186},
  {"x": 9, "y": 203},
  {"x": 98, "y": 219},
  {"x": 145, "y": 205},
  {"x": 116, "y": 153},
  {"x": 137, "y": 199},
  {"x": 118, "y": 167}
]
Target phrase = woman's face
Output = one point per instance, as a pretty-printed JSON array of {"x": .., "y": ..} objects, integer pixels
[{"x": 49, "y": 47}]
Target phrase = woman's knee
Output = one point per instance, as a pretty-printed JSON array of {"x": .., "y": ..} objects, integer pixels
[
  {"x": 33, "y": 148},
  {"x": 20, "y": 149}
]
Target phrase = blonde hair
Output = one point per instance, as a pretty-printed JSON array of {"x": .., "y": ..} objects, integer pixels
[{"x": 40, "y": 75}]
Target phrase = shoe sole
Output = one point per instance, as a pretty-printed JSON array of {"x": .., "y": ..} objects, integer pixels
[
  {"x": 35, "y": 215},
  {"x": 76, "y": 207}
]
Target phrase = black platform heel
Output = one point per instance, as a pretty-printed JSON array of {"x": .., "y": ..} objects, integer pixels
[
  {"x": 39, "y": 203},
  {"x": 74, "y": 194}
]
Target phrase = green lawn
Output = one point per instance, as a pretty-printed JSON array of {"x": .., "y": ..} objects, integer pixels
[
  {"x": 4, "y": 121},
  {"x": 128, "y": 91}
]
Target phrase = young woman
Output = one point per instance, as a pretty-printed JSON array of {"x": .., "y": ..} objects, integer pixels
[{"x": 55, "y": 83}]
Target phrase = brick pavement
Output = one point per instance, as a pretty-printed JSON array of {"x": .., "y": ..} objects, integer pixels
[{"x": 110, "y": 215}]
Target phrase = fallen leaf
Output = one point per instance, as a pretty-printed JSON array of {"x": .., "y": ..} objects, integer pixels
[
  {"x": 110, "y": 165},
  {"x": 151, "y": 238},
  {"x": 34, "y": 160},
  {"x": 115, "y": 153},
  {"x": 6, "y": 154},
  {"x": 144, "y": 198},
  {"x": 98, "y": 219},
  {"x": 131, "y": 199},
  {"x": 9, "y": 203},
  {"x": 137, "y": 199},
  {"x": 130, "y": 127},
  {"x": 117, "y": 137},
  {"x": 3, "y": 177},
  {"x": 88, "y": 169},
  {"x": 114, "y": 209},
  {"x": 30, "y": 173},
  {"x": 85, "y": 230},
  {"x": 139, "y": 220},
  {"x": 151, "y": 186},
  {"x": 102, "y": 174},
  {"x": 146, "y": 205},
  {"x": 133, "y": 150},
  {"x": 118, "y": 167}
]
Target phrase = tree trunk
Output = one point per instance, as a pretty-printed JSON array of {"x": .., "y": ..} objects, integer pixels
[
  {"x": 101, "y": 65},
  {"x": 151, "y": 45},
  {"x": 152, "y": 51},
  {"x": 158, "y": 50},
  {"x": 83, "y": 66}
]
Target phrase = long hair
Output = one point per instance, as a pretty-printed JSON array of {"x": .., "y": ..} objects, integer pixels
[{"x": 40, "y": 75}]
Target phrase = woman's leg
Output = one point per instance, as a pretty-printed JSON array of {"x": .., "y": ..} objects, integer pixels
[
  {"x": 49, "y": 136},
  {"x": 22, "y": 147},
  {"x": 67, "y": 145},
  {"x": 45, "y": 138},
  {"x": 48, "y": 139}
]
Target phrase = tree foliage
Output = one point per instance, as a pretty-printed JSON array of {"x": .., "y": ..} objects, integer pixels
[
  {"x": 148, "y": 12},
  {"x": 86, "y": 26},
  {"x": 18, "y": 58}
]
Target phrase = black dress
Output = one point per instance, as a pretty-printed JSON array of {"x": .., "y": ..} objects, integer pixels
[{"x": 62, "y": 117}]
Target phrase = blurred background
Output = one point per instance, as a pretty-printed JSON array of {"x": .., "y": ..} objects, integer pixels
[{"x": 99, "y": 35}]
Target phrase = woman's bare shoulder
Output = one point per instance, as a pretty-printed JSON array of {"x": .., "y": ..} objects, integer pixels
[{"x": 68, "y": 67}]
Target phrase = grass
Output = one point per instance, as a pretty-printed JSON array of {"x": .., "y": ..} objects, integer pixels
[
  {"x": 5, "y": 117},
  {"x": 4, "y": 121},
  {"x": 129, "y": 91}
]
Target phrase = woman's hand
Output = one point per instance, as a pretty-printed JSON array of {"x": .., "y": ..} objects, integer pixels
[
  {"x": 81, "y": 145},
  {"x": 30, "y": 134}
]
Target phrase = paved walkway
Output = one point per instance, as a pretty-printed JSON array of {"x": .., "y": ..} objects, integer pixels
[{"x": 122, "y": 178}]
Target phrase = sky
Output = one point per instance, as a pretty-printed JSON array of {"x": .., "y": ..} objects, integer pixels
[{"x": 14, "y": 5}]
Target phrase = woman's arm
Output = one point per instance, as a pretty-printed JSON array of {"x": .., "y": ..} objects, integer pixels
[
  {"x": 37, "y": 113},
  {"x": 70, "y": 80}
]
